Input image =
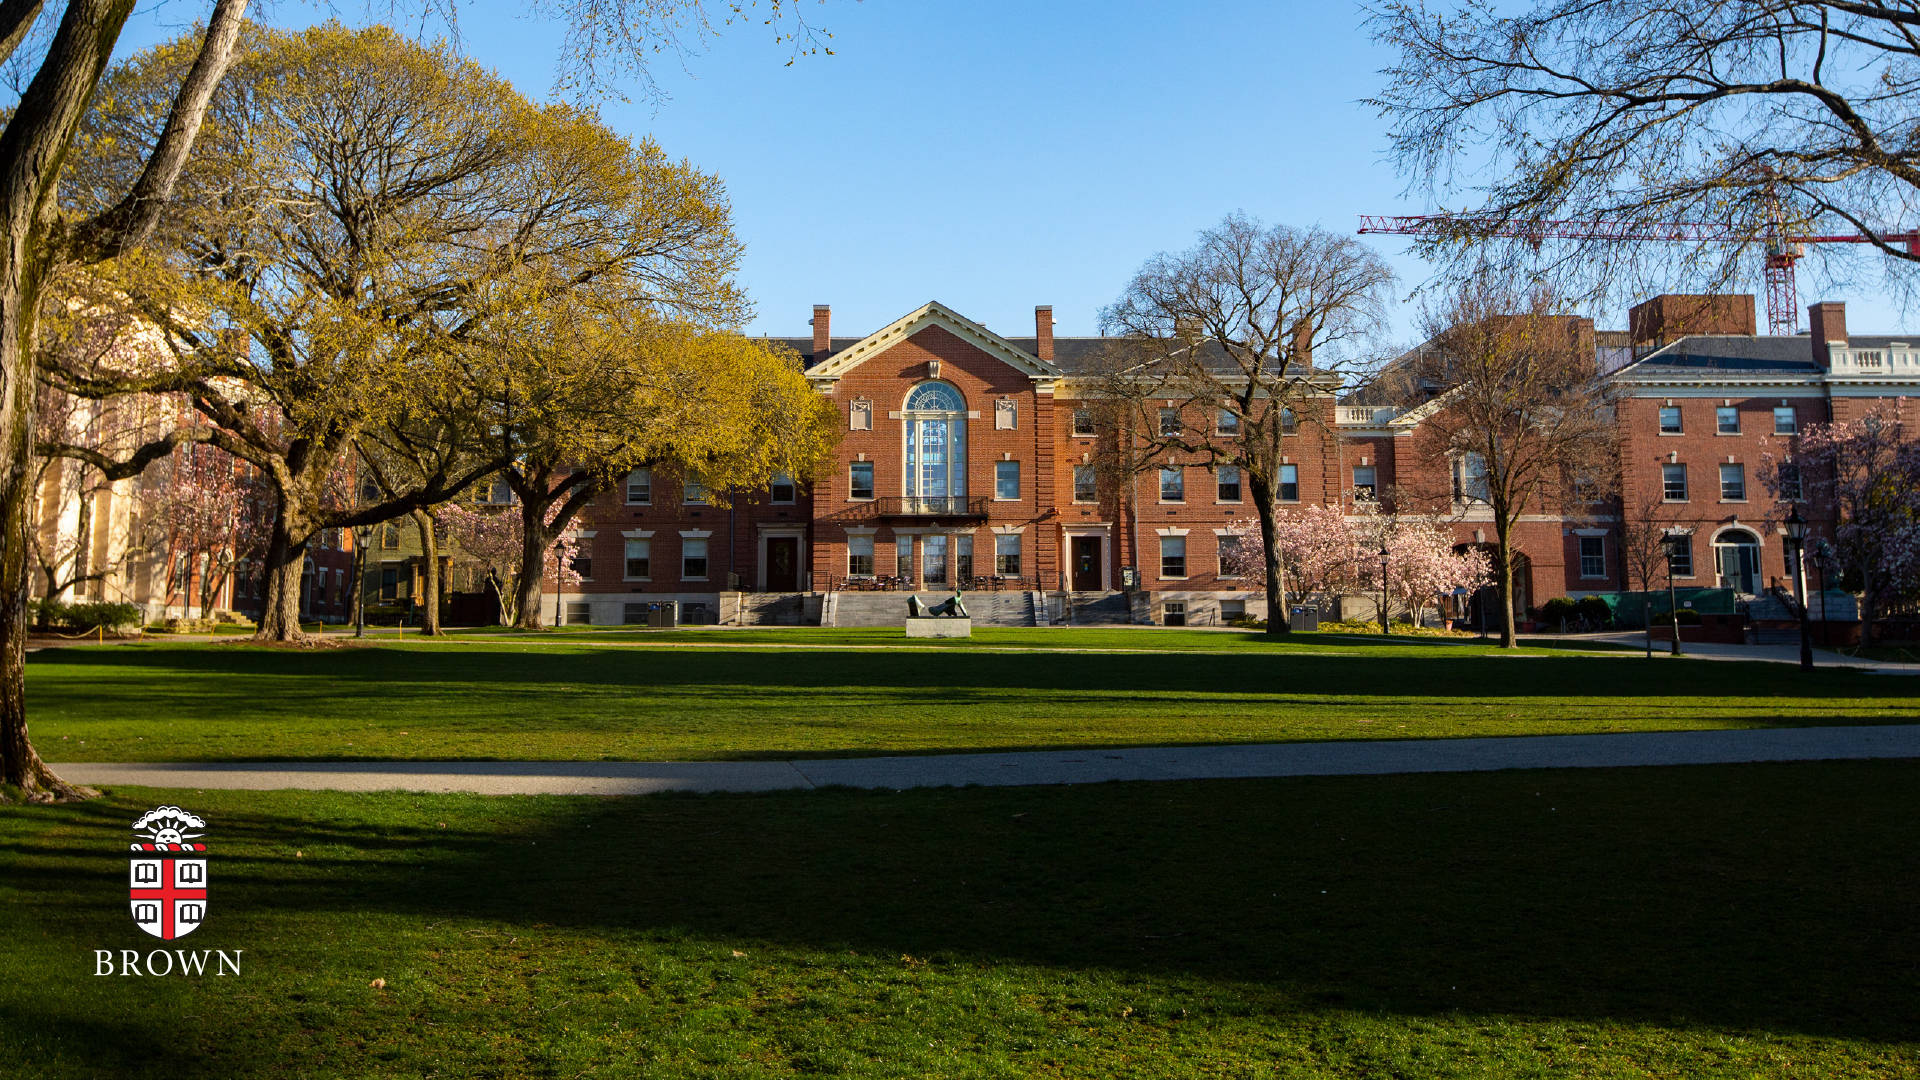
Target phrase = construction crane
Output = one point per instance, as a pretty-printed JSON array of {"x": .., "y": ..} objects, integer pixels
[{"x": 1782, "y": 250}]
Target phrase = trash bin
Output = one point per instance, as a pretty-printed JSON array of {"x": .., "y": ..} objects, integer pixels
[
  {"x": 662, "y": 615},
  {"x": 1305, "y": 617}
]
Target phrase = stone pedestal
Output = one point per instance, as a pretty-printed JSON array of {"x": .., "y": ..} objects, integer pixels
[{"x": 939, "y": 627}]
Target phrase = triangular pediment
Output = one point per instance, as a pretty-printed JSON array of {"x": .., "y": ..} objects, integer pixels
[{"x": 933, "y": 313}]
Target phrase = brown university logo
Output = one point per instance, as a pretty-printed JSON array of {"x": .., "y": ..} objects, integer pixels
[{"x": 167, "y": 873}]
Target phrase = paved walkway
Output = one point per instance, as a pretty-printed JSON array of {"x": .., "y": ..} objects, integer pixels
[
  {"x": 1774, "y": 654},
  {"x": 1371, "y": 757}
]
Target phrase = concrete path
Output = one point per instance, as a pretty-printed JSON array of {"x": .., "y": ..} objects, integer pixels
[
  {"x": 1773, "y": 654},
  {"x": 1369, "y": 757}
]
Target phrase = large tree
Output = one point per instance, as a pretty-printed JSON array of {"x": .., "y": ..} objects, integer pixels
[
  {"x": 62, "y": 55},
  {"x": 364, "y": 209},
  {"x": 1521, "y": 422},
  {"x": 592, "y": 396},
  {"x": 1256, "y": 322},
  {"x": 1760, "y": 117}
]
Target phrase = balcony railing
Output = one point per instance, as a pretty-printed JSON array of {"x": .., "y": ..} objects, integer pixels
[
  {"x": 930, "y": 506},
  {"x": 1365, "y": 414}
]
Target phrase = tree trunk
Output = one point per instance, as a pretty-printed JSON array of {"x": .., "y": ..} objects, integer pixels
[
  {"x": 534, "y": 542},
  {"x": 1277, "y": 625},
  {"x": 359, "y": 584},
  {"x": 286, "y": 559},
  {"x": 430, "y": 551},
  {"x": 1503, "y": 577},
  {"x": 21, "y": 770}
]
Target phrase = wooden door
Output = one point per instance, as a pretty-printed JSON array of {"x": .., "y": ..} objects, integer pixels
[
  {"x": 783, "y": 564},
  {"x": 1086, "y": 564}
]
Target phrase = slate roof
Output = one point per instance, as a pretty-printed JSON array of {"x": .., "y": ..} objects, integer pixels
[
  {"x": 1072, "y": 355},
  {"x": 1705, "y": 355}
]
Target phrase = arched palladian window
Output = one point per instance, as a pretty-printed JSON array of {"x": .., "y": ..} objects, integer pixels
[{"x": 936, "y": 432}]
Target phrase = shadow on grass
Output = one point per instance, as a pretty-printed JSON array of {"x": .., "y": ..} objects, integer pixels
[
  {"x": 373, "y": 671},
  {"x": 1763, "y": 898}
]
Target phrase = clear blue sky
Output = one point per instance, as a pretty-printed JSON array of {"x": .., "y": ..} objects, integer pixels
[{"x": 995, "y": 154}]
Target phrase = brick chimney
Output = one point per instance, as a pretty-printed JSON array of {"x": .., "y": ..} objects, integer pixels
[
  {"x": 822, "y": 332},
  {"x": 1828, "y": 321},
  {"x": 1043, "y": 332}
]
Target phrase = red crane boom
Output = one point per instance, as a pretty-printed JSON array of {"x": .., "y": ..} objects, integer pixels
[{"x": 1783, "y": 302}]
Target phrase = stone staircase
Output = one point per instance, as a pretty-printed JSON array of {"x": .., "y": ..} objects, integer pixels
[
  {"x": 890, "y": 608},
  {"x": 1091, "y": 609}
]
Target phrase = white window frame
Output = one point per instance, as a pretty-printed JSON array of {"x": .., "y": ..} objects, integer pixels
[
  {"x": 1181, "y": 542},
  {"x": 626, "y": 561},
  {"x": 998, "y": 468},
  {"x": 1179, "y": 474},
  {"x": 872, "y": 484},
  {"x": 645, "y": 486},
  {"x": 1599, "y": 543}
]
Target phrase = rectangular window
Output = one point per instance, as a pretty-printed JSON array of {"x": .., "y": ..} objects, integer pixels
[
  {"x": 1593, "y": 556},
  {"x": 639, "y": 560},
  {"x": 389, "y": 536},
  {"x": 1173, "y": 556},
  {"x": 903, "y": 556},
  {"x": 694, "y": 493},
  {"x": 693, "y": 558},
  {"x": 1365, "y": 482},
  {"x": 640, "y": 487},
  {"x": 1785, "y": 421},
  {"x": 1230, "y": 547},
  {"x": 1173, "y": 484},
  {"x": 1233, "y": 611},
  {"x": 1083, "y": 421},
  {"x": 963, "y": 559},
  {"x": 1006, "y": 554},
  {"x": 1086, "y": 486},
  {"x": 1289, "y": 483},
  {"x": 1289, "y": 424},
  {"x": 1169, "y": 421},
  {"x": 582, "y": 564},
  {"x": 1790, "y": 481},
  {"x": 1470, "y": 479},
  {"x": 1673, "y": 483},
  {"x": 933, "y": 559},
  {"x": 1006, "y": 480},
  {"x": 1670, "y": 420},
  {"x": 1228, "y": 424},
  {"x": 1733, "y": 483},
  {"x": 1680, "y": 557},
  {"x": 579, "y": 613},
  {"x": 1173, "y": 613},
  {"x": 1229, "y": 476},
  {"x": 389, "y": 584},
  {"x": 782, "y": 491},
  {"x": 860, "y": 480},
  {"x": 859, "y": 556},
  {"x": 1726, "y": 420}
]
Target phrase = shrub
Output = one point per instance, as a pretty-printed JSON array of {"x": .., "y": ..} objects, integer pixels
[
  {"x": 1595, "y": 611},
  {"x": 115, "y": 617},
  {"x": 1557, "y": 610}
]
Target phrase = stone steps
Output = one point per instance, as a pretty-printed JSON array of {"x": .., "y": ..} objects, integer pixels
[{"x": 890, "y": 608}]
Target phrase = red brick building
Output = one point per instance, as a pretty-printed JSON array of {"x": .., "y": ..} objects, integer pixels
[{"x": 968, "y": 458}]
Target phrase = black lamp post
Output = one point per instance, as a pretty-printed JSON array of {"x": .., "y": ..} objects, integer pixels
[
  {"x": 1383, "y": 588},
  {"x": 1797, "y": 548},
  {"x": 1673, "y": 541}
]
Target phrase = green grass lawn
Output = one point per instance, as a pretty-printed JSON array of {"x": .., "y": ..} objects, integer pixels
[
  {"x": 1739, "y": 921},
  {"x": 582, "y": 700}
]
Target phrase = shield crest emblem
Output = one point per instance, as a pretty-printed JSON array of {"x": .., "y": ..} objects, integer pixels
[{"x": 167, "y": 874}]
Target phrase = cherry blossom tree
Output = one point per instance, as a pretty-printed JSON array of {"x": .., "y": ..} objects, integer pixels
[
  {"x": 492, "y": 538},
  {"x": 1867, "y": 470},
  {"x": 208, "y": 515},
  {"x": 1315, "y": 547}
]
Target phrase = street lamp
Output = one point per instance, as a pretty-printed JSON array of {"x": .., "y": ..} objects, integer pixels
[
  {"x": 1797, "y": 548},
  {"x": 1383, "y": 588},
  {"x": 1673, "y": 541}
]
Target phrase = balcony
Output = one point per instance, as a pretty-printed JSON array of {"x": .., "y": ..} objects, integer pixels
[
  {"x": 950, "y": 507},
  {"x": 1365, "y": 414}
]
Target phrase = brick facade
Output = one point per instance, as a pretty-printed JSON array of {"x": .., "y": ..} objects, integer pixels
[{"x": 1020, "y": 397}]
